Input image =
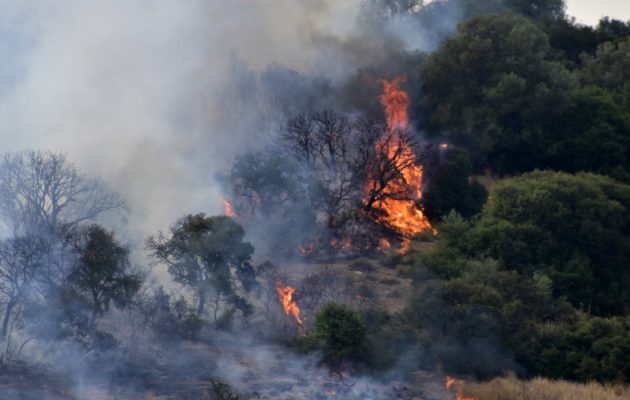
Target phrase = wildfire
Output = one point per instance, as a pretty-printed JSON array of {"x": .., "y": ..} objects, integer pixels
[
  {"x": 384, "y": 244},
  {"x": 458, "y": 384},
  {"x": 228, "y": 209},
  {"x": 285, "y": 295},
  {"x": 344, "y": 244},
  {"x": 308, "y": 249},
  {"x": 402, "y": 215}
]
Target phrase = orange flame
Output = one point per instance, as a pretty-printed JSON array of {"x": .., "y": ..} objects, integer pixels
[
  {"x": 459, "y": 388},
  {"x": 228, "y": 209},
  {"x": 308, "y": 249},
  {"x": 285, "y": 294},
  {"x": 404, "y": 216},
  {"x": 344, "y": 244},
  {"x": 384, "y": 244}
]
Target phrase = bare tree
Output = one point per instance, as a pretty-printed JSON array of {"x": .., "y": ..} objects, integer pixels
[
  {"x": 322, "y": 144},
  {"x": 43, "y": 190},
  {"x": 386, "y": 166},
  {"x": 21, "y": 259}
]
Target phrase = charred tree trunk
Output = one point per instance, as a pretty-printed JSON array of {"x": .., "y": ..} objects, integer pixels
[
  {"x": 202, "y": 303},
  {"x": 7, "y": 318}
]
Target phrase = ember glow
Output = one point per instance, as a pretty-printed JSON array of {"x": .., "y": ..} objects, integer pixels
[
  {"x": 308, "y": 249},
  {"x": 402, "y": 215},
  {"x": 458, "y": 385},
  {"x": 285, "y": 295},
  {"x": 228, "y": 209}
]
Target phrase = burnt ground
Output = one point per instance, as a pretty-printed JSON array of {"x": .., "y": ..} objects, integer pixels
[{"x": 238, "y": 368}]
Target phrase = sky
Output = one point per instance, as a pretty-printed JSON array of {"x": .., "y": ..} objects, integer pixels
[{"x": 590, "y": 11}]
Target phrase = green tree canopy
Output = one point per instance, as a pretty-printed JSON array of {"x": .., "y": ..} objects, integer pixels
[
  {"x": 575, "y": 229},
  {"x": 342, "y": 334},
  {"x": 103, "y": 273},
  {"x": 450, "y": 188},
  {"x": 537, "y": 8},
  {"x": 592, "y": 135},
  {"x": 492, "y": 88},
  {"x": 609, "y": 68},
  {"x": 201, "y": 253}
]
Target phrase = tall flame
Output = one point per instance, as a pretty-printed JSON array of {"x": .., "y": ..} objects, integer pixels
[
  {"x": 459, "y": 388},
  {"x": 285, "y": 294},
  {"x": 404, "y": 216},
  {"x": 228, "y": 209}
]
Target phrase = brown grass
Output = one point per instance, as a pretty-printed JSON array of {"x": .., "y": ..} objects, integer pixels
[{"x": 511, "y": 388}]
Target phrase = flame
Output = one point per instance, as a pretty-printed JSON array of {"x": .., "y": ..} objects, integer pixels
[
  {"x": 443, "y": 145},
  {"x": 459, "y": 388},
  {"x": 228, "y": 209},
  {"x": 308, "y": 249},
  {"x": 344, "y": 244},
  {"x": 404, "y": 247},
  {"x": 285, "y": 295},
  {"x": 404, "y": 216}
]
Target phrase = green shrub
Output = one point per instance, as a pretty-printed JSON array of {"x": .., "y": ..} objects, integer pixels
[{"x": 342, "y": 336}]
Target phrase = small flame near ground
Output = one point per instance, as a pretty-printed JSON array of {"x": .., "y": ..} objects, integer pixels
[
  {"x": 308, "y": 249},
  {"x": 228, "y": 209},
  {"x": 404, "y": 216},
  {"x": 291, "y": 309},
  {"x": 458, "y": 385}
]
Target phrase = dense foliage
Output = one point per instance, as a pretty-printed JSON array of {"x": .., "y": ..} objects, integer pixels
[
  {"x": 208, "y": 255},
  {"x": 519, "y": 286},
  {"x": 494, "y": 89}
]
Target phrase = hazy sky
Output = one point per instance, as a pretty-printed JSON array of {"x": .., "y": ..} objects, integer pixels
[{"x": 590, "y": 11}]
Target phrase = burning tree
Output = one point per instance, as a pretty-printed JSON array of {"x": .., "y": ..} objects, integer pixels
[
  {"x": 347, "y": 178},
  {"x": 394, "y": 189}
]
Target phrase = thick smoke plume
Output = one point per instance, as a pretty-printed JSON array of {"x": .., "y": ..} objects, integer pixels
[
  {"x": 129, "y": 90},
  {"x": 158, "y": 97}
]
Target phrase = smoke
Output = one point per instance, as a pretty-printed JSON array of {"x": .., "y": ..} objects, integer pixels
[
  {"x": 129, "y": 90},
  {"x": 158, "y": 96}
]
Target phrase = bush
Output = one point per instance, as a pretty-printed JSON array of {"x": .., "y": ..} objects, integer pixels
[
  {"x": 173, "y": 319},
  {"x": 587, "y": 348},
  {"x": 342, "y": 336}
]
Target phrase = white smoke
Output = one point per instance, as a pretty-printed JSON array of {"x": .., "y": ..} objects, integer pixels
[{"x": 126, "y": 88}]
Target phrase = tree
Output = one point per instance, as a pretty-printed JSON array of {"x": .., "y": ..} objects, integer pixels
[
  {"x": 201, "y": 253},
  {"x": 42, "y": 191},
  {"x": 472, "y": 314},
  {"x": 575, "y": 229},
  {"x": 342, "y": 334},
  {"x": 332, "y": 172},
  {"x": 592, "y": 135},
  {"x": 609, "y": 68},
  {"x": 492, "y": 89},
  {"x": 267, "y": 191},
  {"x": 21, "y": 259},
  {"x": 553, "y": 9},
  {"x": 450, "y": 188},
  {"x": 103, "y": 272},
  {"x": 376, "y": 10}
]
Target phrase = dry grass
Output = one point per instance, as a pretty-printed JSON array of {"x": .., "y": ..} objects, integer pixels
[{"x": 511, "y": 388}]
